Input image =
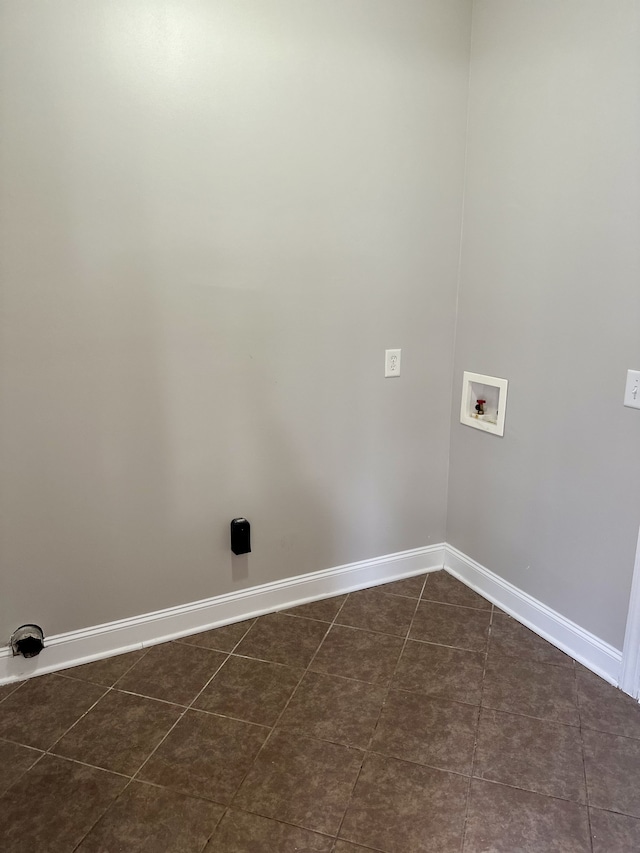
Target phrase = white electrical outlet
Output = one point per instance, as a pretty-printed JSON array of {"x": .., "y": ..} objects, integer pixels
[
  {"x": 632, "y": 389},
  {"x": 392, "y": 362}
]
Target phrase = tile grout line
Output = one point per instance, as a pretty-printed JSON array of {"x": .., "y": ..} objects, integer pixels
[
  {"x": 367, "y": 750},
  {"x": 132, "y": 778},
  {"x": 272, "y": 728},
  {"x": 18, "y": 685},
  {"x": 48, "y": 751},
  {"x": 129, "y": 779},
  {"x": 109, "y": 688},
  {"x": 305, "y": 670},
  {"x": 475, "y": 743},
  {"x": 584, "y": 758}
]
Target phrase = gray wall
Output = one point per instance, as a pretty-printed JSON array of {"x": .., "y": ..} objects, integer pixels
[
  {"x": 550, "y": 299},
  {"x": 215, "y": 217}
]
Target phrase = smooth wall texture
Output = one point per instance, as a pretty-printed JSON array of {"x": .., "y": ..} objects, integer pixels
[
  {"x": 215, "y": 217},
  {"x": 550, "y": 300}
]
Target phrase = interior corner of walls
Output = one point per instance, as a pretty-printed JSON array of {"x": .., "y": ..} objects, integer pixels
[{"x": 580, "y": 644}]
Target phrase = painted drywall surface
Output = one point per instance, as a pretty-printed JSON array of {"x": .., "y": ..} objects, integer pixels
[
  {"x": 550, "y": 300},
  {"x": 215, "y": 217}
]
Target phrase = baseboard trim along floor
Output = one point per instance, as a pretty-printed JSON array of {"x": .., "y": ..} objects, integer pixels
[{"x": 101, "y": 641}]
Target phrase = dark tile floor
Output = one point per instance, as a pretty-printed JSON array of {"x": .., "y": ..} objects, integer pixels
[{"x": 410, "y": 718}]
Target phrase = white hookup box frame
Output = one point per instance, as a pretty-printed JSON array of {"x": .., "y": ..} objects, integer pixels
[{"x": 492, "y": 394}]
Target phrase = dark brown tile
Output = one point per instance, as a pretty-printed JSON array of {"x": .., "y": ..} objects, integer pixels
[
  {"x": 353, "y": 653},
  {"x": 54, "y": 805},
  {"x": 107, "y": 671},
  {"x": 301, "y": 781},
  {"x": 14, "y": 761},
  {"x": 281, "y": 639},
  {"x": 334, "y": 709},
  {"x": 534, "y": 689},
  {"x": 427, "y": 731},
  {"x": 443, "y": 587},
  {"x": 440, "y": 671},
  {"x": 8, "y": 689},
  {"x": 119, "y": 733},
  {"x": 174, "y": 672},
  {"x": 377, "y": 611},
  {"x": 446, "y": 625},
  {"x": 532, "y": 754},
  {"x": 505, "y": 820},
  {"x": 408, "y": 587},
  {"x": 399, "y": 807},
  {"x": 511, "y": 639},
  {"x": 224, "y": 639},
  {"x": 614, "y": 833},
  {"x": 605, "y": 708},
  {"x": 205, "y": 756},
  {"x": 240, "y": 832},
  {"x": 43, "y": 709},
  {"x": 347, "y": 847},
  {"x": 146, "y": 818},
  {"x": 251, "y": 690},
  {"x": 324, "y": 610},
  {"x": 612, "y": 765}
]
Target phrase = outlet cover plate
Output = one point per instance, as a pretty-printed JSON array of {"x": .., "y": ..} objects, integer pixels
[
  {"x": 392, "y": 358},
  {"x": 632, "y": 389}
]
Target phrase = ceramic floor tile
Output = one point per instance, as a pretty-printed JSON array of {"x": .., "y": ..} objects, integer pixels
[
  {"x": 53, "y": 806},
  {"x": 15, "y": 760},
  {"x": 288, "y": 790},
  {"x": 511, "y": 639},
  {"x": 251, "y": 690},
  {"x": 240, "y": 832},
  {"x": 8, "y": 689},
  {"x": 281, "y": 639},
  {"x": 301, "y": 781},
  {"x": 205, "y": 756},
  {"x": 506, "y": 820},
  {"x": 612, "y": 764},
  {"x": 174, "y": 672},
  {"x": 534, "y": 689},
  {"x": 362, "y": 655},
  {"x": 614, "y": 833},
  {"x": 324, "y": 610},
  {"x": 429, "y": 731},
  {"x": 44, "y": 708},
  {"x": 146, "y": 818},
  {"x": 399, "y": 807},
  {"x": 119, "y": 733},
  {"x": 378, "y": 611},
  {"x": 334, "y": 709},
  {"x": 605, "y": 708},
  {"x": 224, "y": 639},
  {"x": 443, "y": 587},
  {"x": 106, "y": 672},
  {"x": 408, "y": 587},
  {"x": 532, "y": 754},
  {"x": 440, "y": 671},
  {"x": 448, "y": 625}
]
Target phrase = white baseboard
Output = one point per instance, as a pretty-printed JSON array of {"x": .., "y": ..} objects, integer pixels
[
  {"x": 580, "y": 644},
  {"x": 630, "y": 671},
  {"x": 101, "y": 641}
]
